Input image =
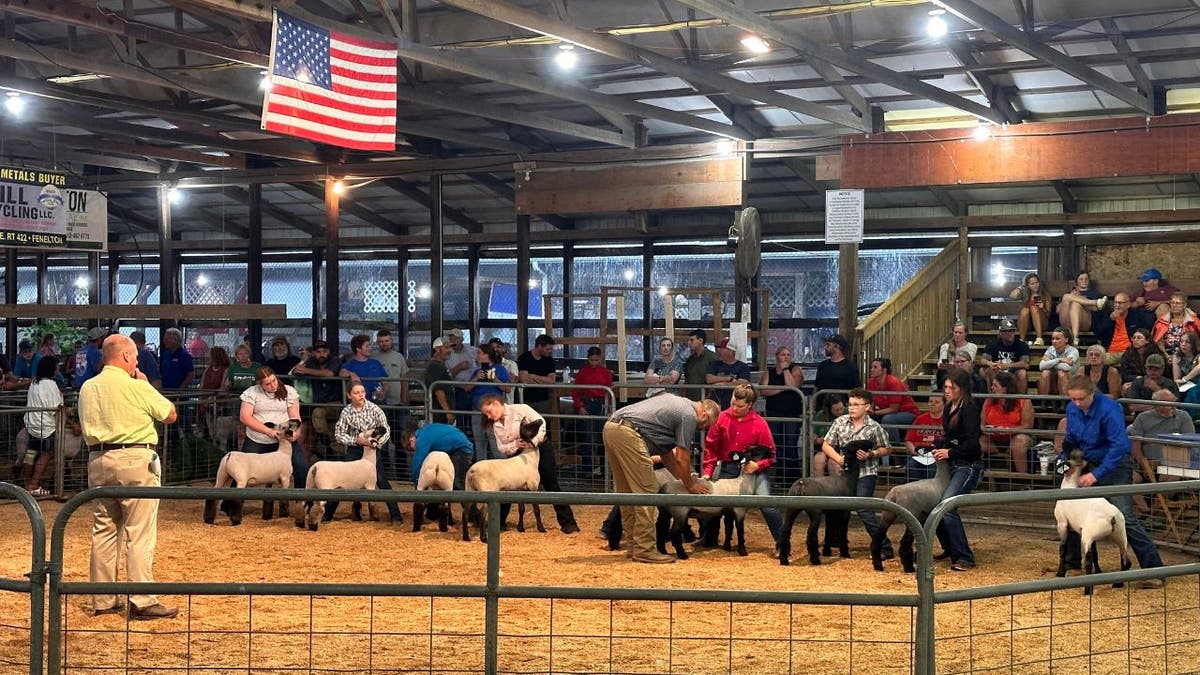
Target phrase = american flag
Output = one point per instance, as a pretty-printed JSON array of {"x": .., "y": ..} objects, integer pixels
[{"x": 331, "y": 87}]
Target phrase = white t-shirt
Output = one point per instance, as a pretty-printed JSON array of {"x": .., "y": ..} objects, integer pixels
[
  {"x": 396, "y": 367},
  {"x": 466, "y": 355},
  {"x": 42, "y": 394},
  {"x": 267, "y": 408}
]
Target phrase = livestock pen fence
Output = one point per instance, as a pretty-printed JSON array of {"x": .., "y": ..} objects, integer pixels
[{"x": 535, "y": 624}]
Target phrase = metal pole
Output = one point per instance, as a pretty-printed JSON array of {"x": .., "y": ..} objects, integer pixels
[
  {"x": 437, "y": 257},
  {"x": 333, "y": 326},
  {"x": 523, "y": 262},
  {"x": 254, "y": 264}
]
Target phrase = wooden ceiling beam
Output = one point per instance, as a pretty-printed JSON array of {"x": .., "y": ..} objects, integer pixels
[
  {"x": 347, "y": 206},
  {"x": 421, "y": 197},
  {"x": 242, "y": 196}
]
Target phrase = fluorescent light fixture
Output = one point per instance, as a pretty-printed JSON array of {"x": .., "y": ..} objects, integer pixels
[
  {"x": 566, "y": 58},
  {"x": 936, "y": 26},
  {"x": 756, "y": 45}
]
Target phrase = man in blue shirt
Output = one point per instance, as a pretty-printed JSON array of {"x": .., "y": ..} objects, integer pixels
[
  {"x": 147, "y": 363},
  {"x": 178, "y": 370},
  {"x": 436, "y": 437},
  {"x": 1096, "y": 425},
  {"x": 25, "y": 367},
  {"x": 726, "y": 371},
  {"x": 360, "y": 367},
  {"x": 87, "y": 359}
]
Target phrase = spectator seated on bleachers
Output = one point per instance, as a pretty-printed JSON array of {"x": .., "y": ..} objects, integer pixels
[
  {"x": 1035, "y": 307},
  {"x": 1077, "y": 305},
  {"x": 1143, "y": 388},
  {"x": 1185, "y": 362},
  {"x": 1106, "y": 377},
  {"x": 1171, "y": 327},
  {"x": 1133, "y": 361},
  {"x": 1115, "y": 329},
  {"x": 922, "y": 438},
  {"x": 1060, "y": 361},
  {"x": 1007, "y": 354},
  {"x": 958, "y": 341},
  {"x": 1155, "y": 295},
  {"x": 889, "y": 404},
  {"x": 1150, "y": 423},
  {"x": 1001, "y": 417}
]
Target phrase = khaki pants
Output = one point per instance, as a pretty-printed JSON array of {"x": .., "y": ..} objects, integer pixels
[
  {"x": 137, "y": 519},
  {"x": 633, "y": 472}
]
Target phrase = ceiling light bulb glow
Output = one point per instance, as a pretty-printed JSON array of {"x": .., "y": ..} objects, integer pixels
[
  {"x": 756, "y": 45},
  {"x": 628, "y": 274},
  {"x": 339, "y": 187},
  {"x": 936, "y": 26},
  {"x": 174, "y": 195},
  {"x": 982, "y": 132},
  {"x": 566, "y": 58},
  {"x": 14, "y": 103}
]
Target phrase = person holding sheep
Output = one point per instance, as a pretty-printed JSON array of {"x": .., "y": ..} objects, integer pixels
[
  {"x": 505, "y": 420},
  {"x": 857, "y": 425},
  {"x": 1096, "y": 425},
  {"x": 663, "y": 425},
  {"x": 960, "y": 446},
  {"x": 436, "y": 437},
  {"x": 737, "y": 428},
  {"x": 270, "y": 400},
  {"x": 353, "y": 430}
]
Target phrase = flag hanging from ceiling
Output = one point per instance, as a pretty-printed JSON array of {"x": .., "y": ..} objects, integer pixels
[{"x": 330, "y": 87}]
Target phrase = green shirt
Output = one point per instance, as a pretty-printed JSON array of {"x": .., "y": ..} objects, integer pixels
[{"x": 240, "y": 378}]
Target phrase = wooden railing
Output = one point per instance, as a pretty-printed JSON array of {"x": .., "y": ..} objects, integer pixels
[{"x": 910, "y": 324}]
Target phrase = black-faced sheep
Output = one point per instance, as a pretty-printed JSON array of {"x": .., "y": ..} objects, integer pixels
[
  {"x": 919, "y": 497},
  {"x": 357, "y": 475},
  {"x": 248, "y": 469},
  {"x": 1094, "y": 519},
  {"x": 671, "y": 523},
  {"x": 836, "y": 521},
  {"x": 519, "y": 472}
]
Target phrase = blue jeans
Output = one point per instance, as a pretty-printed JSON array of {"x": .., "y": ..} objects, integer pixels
[
  {"x": 299, "y": 458},
  {"x": 1143, "y": 547},
  {"x": 914, "y": 470},
  {"x": 896, "y": 435},
  {"x": 870, "y": 518},
  {"x": 589, "y": 444},
  {"x": 963, "y": 479},
  {"x": 787, "y": 451},
  {"x": 485, "y": 442},
  {"x": 382, "y": 463}
]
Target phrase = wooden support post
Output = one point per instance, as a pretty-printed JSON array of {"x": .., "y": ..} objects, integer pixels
[
  {"x": 10, "y": 297},
  {"x": 333, "y": 324},
  {"x": 848, "y": 293},
  {"x": 317, "y": 277},
  {"x": 167, "y": 280},
  {"x": 622, "y": 366},
  {"x": 403, "y": 344},
  {"x": 524, "y": 254},
  {"x": 254, "y": 263},
  {"x": 473, "y": 293},
  {"x": 964, "y": 277}
]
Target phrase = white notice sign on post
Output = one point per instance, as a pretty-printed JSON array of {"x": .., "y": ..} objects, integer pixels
[{"x": 844, "y": 216}]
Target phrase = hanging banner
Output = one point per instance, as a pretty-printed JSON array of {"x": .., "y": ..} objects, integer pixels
[{"x": 37, "y": 210}]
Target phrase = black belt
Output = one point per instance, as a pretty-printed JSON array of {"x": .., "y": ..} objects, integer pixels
[{"x": 105, "y": 447}]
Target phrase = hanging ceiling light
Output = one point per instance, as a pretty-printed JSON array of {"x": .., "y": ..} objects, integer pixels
[
  {"x": 14, "y": 103},
  {"x": 936, "y": 26},
  {"x": 566, "y": 58},
  {"x": 756, "y": 45}
]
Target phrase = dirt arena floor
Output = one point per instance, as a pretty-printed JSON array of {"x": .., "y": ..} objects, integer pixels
[{"x": 1118, "y": 631}]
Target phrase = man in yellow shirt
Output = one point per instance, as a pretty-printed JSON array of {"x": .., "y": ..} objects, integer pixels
[{"x": 118, "y": 409}]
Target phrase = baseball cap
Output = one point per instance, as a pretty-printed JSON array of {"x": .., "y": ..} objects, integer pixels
[
  {"x": 97, "y": 333},
  {"x": 279, "y": 339},
  {"x": 25, "y": 344},
  {"x": 320, "y": 344},
  {"x": 495, "y": 341},
  {"x": 726, "y": 344},
  {"x": 440, "y": 342},
  {"x": 1007, "y": 324},
  {"x": 454, "y": 332},
  {"x": 1156, "y": 360},
  {"x": 1151, "y": 274},
  {"x": 838, "y": 340}
]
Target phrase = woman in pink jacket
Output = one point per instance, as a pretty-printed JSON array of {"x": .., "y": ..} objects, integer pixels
[{"x": 737, "y": 428}]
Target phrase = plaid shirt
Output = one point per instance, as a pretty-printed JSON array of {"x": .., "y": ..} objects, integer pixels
[
  {"x": 842, "y": 431},
  {"x": 353, "y": 421}
]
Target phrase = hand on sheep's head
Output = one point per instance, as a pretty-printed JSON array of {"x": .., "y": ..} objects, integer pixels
[{"x": 852, "y": 448}]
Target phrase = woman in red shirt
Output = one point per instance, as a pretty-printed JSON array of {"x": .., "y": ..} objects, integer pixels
[
  {"x": 1000, "y": 416},
  {"x": 737, "y": 428},
  {"x": 890, "y": 408}
]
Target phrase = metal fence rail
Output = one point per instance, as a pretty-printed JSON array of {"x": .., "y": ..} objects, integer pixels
[{"x": 34, "y": 586}]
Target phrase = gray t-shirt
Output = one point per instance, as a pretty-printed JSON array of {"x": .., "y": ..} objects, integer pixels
[
  {"x": 396, "y": 367},
  {"x": 1149, "y": 423},
  {"x": 665, "y": 421}
]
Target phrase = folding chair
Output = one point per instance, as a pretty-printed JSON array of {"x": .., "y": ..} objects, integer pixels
[{"x": 1173, "y": 509}]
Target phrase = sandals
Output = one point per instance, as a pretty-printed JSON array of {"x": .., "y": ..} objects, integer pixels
[{"x": 39, "y": 492}]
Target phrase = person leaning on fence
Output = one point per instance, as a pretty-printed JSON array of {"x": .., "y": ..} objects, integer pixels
[
  {"x": 737, "y": 428},
  {"x": 857, "y": 425},
  {"x": 785, "y": 403},
  {"x": 1096, "y": 425},
  {"x": 666, "y": 368},
  {"x": 1004, "y": 420},
  {"x": 117, "y": 411},
  {"x": 41, "y": 425},
  {"x": 505, "y": 420},
  {"x": 663, "y": 425},
  {"x": 593, "y": 403},
  {"x": 441, "y": 396}
]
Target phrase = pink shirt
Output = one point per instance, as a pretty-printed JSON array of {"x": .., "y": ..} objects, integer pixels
[
  {"x": 902, "y": 402},
  {"x": 731, "y": 434}
]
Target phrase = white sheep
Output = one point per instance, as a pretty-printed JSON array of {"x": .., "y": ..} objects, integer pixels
[
  {"x": 357, "y": 475},
  {"x": 248, "y": 469},
  {"x": 437, "y": 473},
  {"x": 919, "y": 497},
  {"x": 519, "y": 472},
  {"x": 744, "y": 484},
  {"x": 1094, "y": 519}
]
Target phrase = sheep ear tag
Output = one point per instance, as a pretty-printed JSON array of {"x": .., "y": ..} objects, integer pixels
[
  {"x": 1061, "y": 466},
  {"x": 736, "y": 458}
]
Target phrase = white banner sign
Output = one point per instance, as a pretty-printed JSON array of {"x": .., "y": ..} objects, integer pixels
[
  {"x": 844, "y": 216},
  {"x": 37, "y": 210}
]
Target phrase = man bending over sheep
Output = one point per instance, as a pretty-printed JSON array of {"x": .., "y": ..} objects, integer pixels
[
  {"x": 353, "y": 430},
  {"x": 505, "y": 420},
  {"x": 437, "y": 437},
  {"x": 663, "y": 425}
]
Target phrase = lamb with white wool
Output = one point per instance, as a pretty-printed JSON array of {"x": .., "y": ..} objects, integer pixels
[
  {"x": 437, "y": 473},
  {"x": 1094, "y": 519},
  {"x": 248, "y": 469},
  {"x": 356, "y": 475},
  {"x": 519, "y": 472}
]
